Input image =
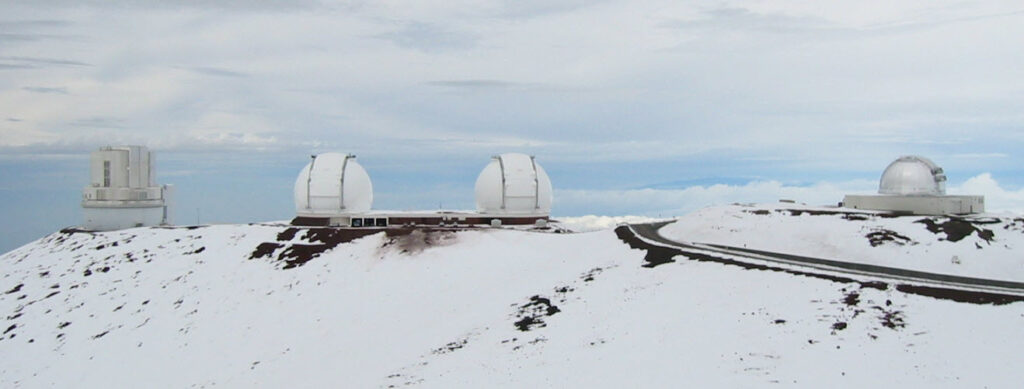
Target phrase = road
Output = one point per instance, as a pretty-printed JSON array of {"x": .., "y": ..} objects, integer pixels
[{"x": 649, "y": 232}]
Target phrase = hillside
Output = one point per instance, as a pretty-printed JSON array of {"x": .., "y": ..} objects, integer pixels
[
  {"x": 984, "y": 246},
  {"x": 270, "y": 305}
]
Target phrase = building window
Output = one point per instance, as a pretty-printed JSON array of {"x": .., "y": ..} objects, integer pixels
[{"x": 106, "y": 174}]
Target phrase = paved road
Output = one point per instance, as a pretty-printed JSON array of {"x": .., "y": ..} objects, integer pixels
[{"x": 650, "y": 232}]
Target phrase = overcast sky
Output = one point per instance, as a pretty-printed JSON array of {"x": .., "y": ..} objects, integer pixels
[{"x": 632, "y": 106}]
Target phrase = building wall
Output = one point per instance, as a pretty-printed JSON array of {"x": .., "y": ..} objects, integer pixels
[
  {"x": 107, "y": 219},
  {"x": 920, "y": 205},
  {"x": 122, "y": 191},
  {"x": 418, "y": 220},
  {"x": 115, "y": 175},
  {"x": 122, "y": 167}
]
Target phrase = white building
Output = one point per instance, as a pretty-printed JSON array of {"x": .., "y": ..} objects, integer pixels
[
  {"x": 122, "y": 192},
  {"x": 334, "y": 190},
  {"x": 333, "y": 187},
  {"x": 916, "y": 185},
  {"x": 513, "y": 184}
]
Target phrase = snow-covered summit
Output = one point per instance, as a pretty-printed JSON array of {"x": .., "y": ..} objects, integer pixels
[{"x": 275, "y": 305}]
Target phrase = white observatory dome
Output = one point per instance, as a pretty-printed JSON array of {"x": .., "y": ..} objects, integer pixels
[
  {"x": 513, "y": 183},
  {"x": 333, "y": 184},
  {"x": 913, "y": 175}
]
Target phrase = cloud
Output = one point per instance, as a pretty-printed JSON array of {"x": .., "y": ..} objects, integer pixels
[
  {"x": 99, "y": 122},
  {"x": 14, "y": 62},
  {"x": 16, "y": 66},
  {"x": 979, "y": 155},
  {"x": 537, "y": 8},
  {"x": 678, "y": 202},
  {"x": 41, "y": 89},
  {"x": 732, "y": 19},
  {"x": 32, "y": 23},
  {"x": 997, "y": 198},
  {"x": 753, "y": 86},
  {"x": 593, "y": 222},
  {"x": 428, "y": 37},
  {"x": 28, "y": 30},
  {"x": 217, "y": 72},
  {"x": 7, "y": 37},
  {"x": 234, "y": 5},
  {"x": 473, "y": 84}
]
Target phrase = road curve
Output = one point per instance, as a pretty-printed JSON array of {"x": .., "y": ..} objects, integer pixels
[{"x": 649, "y": 232}]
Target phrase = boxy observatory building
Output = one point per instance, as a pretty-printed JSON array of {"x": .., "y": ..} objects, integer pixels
[
  {"x": 122, "y": 192},
  {"x": 334, "y": 190},
  {"x": 915, "y": 185}
]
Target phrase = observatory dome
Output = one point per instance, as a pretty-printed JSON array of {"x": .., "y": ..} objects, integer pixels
[
  {"x": 333, "y": 184},
  {"x": 513, "y": 183},
  {"x": 913, "y": 175}
]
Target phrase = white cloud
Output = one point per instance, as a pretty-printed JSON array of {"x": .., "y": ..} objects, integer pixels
[
  {"x": 797, "y": 80},
  {"x": 594, "y": 222},
  {"x": 997, "y": 198},
  {"x": 686, "y": 90},
  {"x": 677, "y": 202}
]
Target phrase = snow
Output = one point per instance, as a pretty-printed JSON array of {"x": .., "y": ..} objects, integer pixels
[
  {"x": 184, "y": 307},
  {"x": 845, "y": 234}
]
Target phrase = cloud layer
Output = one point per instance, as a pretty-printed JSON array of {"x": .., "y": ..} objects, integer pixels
[
  {"x": 678, "y": 202},
  {"x": 823, "y": 87}
]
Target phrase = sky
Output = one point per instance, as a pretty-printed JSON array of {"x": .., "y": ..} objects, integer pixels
[{"x": 643, "y": 107}]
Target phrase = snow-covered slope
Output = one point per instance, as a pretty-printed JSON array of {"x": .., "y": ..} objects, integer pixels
[
  {"x": 988, "y": 246},
  {"x": 274, "y": 306}
]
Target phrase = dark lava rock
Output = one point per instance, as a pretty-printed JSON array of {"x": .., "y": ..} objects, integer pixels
[
  {"x": 533, "y": 312},
  {"x": 15, "y": 289},
  {"x": 851, "y": 299},
  {"x": 956, "y": 229},
  {"x": 265, "y": 249},
  {"x": 287, "y": 235},
  {"x": 451, "y": 346},
  {"x": 960, "y": 295},
  {"x": 880, "y": 237}
]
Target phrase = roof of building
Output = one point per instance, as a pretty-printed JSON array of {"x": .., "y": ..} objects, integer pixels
[
  {"x": 333, "y": 184},
  {"x": 912, "y": 175},
  {"x": 513, "y": 183}
]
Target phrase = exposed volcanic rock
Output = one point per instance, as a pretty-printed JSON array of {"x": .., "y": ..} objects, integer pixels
[
  {"x": 315, "y": 241},
  {"x": 532, "y": 314},
  {"x": 881, "y": 236},
  {"x": 956, "y": 229}
]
